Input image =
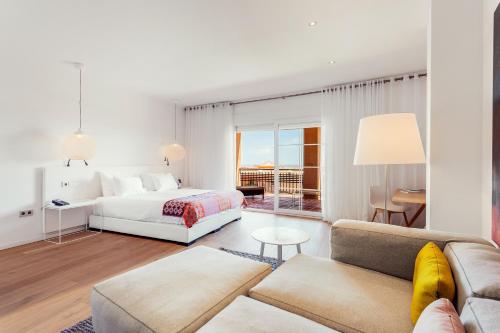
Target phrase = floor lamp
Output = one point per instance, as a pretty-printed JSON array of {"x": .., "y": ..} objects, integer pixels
[{"x": 389, "y": 139}]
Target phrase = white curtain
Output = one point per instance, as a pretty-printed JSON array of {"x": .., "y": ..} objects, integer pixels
[
  {"x": 210, "y": 147},
  {"x": 345, "y": 187}
]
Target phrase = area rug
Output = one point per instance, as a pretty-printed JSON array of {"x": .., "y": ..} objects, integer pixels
[
  {"x": 85, "y": 326},
  {"x": 268, "y": 260}
]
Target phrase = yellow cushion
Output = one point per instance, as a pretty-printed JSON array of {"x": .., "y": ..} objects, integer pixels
[{"x": 432, "y": 279}]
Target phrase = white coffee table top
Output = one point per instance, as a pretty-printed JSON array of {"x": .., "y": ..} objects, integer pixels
[{"x": 280, "y": 236}]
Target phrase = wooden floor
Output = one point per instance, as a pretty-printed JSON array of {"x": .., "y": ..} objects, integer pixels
[{"x": 46, "y": 287}]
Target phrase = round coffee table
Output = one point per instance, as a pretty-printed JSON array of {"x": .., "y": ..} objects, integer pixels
[{"x": 280, "y": 236}]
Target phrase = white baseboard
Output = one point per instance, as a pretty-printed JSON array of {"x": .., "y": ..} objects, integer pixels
[
  {"x": 38, "y": 238},
  {"x": 19, "y": 243}
]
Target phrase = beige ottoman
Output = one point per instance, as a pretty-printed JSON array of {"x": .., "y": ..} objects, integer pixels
[
  {"x": 246, "y": 315},
  {"x": 179, "y": 293}
]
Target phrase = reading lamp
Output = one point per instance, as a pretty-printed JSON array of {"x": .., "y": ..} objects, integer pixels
[{"x": 389, "y": 139}]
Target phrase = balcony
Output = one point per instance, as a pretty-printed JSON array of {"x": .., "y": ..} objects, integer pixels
[
  {"x": 293, "y": 195},
  {"x": 298, "y": 151}
]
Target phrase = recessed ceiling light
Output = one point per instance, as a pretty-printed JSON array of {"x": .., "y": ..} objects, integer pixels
[
  {"x": 331, "y": 62},
  {"x": 313, "y": 23}
]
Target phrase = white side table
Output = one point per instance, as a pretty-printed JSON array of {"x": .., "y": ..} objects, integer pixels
[
  {"x": 60, "y": 209},
  {"x": 280, "y": 237}
]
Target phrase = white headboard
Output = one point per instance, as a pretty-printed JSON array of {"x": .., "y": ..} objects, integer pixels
[{"x": 83, "y": 182}]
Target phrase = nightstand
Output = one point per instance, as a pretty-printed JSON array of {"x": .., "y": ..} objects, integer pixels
[{"x": 60, "y": 209}]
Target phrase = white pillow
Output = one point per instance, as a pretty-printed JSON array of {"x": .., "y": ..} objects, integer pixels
[
  {"x": 147, "y": 181},
  {"x": 164, "y": 182},
  {"x": 107, "y": 185},
  {"x": 128, "y": 186}
]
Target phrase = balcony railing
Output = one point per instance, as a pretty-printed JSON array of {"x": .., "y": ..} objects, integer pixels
[{"x": 291, "y": 179}]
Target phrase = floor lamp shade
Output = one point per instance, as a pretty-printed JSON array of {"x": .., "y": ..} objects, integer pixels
[{"x": 387, "y": 139}]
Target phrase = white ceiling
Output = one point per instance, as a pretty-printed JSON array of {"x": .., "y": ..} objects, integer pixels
[{"x": 211, "y": 50}]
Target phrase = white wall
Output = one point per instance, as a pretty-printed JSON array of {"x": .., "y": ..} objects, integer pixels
[
  {"x": 455, "y": 120},
  {"x": 38, "y": 109},
  {"x": 489, "y": 7}
]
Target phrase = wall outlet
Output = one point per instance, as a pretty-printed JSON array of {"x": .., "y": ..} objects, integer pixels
[
  {"x": 65, "y": 183},
  {"x": 26, "y": 213}
]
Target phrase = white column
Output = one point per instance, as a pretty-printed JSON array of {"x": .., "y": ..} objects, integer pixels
[{"x": 454, "y": 136}]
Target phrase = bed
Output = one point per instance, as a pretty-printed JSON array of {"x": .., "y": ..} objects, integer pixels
[{"x": 143, "y": 215}]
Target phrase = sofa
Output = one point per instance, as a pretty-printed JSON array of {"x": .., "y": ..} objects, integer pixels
[{"x": 365, "y": 286}]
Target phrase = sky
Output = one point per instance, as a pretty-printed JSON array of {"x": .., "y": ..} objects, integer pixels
[{"x": 257, "y": 147}]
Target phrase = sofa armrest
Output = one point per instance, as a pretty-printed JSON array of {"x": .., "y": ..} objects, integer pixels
[{"x": 386, "y": 248}]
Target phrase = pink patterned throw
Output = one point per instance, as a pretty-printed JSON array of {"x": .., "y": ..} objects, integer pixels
[{"x": 196, "y": 207}]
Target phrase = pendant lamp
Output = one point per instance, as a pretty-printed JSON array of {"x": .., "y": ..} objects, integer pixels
[
  {"x": 79, "y": 146},
  {"x": 174, "y": 151}
]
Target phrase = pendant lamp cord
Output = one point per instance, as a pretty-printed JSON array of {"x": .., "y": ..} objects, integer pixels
[
  {"x": 80, "y": 101},
  {"x": 175, "y": 122}
]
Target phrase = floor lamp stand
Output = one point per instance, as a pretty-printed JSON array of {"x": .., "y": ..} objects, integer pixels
[{"x": 386, "y": 173}]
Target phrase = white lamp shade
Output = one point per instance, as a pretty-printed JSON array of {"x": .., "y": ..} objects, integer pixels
[
  {"x": 79, "y": 146},
  {"x": 175, "y": 152},
  {"x": 389, "y": 139}
]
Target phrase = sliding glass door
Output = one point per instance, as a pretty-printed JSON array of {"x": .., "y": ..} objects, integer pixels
[
  {"x": 299, "y": 169},
  {"x": 278, "y": 168}
]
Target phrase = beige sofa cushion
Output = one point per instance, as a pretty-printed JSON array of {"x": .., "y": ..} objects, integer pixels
[
  {"x": 476, "y": 270},
  {"x": 481, "y": 315},
  {"x": 179, "y": 293},
  {"x": 344, "y": 297},
  {"x": 386, "y": 248},
  {"x": 245, "y": 315}
]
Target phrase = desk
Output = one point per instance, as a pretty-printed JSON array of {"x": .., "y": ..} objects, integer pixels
[{"x": 403, "y": 197}]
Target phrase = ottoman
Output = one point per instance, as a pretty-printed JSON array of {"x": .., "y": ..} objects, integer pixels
[
  {"x": 179, "y": 293},
  {"x": 246, "y": 315}
]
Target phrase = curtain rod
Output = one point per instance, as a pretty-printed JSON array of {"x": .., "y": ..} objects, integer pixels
[{"x": 356, "y": 85}]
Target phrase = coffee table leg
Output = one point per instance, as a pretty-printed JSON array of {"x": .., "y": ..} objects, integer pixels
[
  {"x": 299, "y": 249},
  {"x": 280, "y": 254},
  {"x": 262, "y": 249}
]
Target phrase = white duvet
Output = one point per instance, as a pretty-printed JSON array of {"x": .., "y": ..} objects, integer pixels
[{"x": 143, "y": 207}]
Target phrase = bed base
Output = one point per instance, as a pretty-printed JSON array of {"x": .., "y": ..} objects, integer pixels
[
  {"x": 171, "y": 241},
  {"x": 171, "y": 232}
]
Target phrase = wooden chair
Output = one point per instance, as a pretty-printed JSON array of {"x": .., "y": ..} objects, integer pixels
[{"x": 377, "y": 202}]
